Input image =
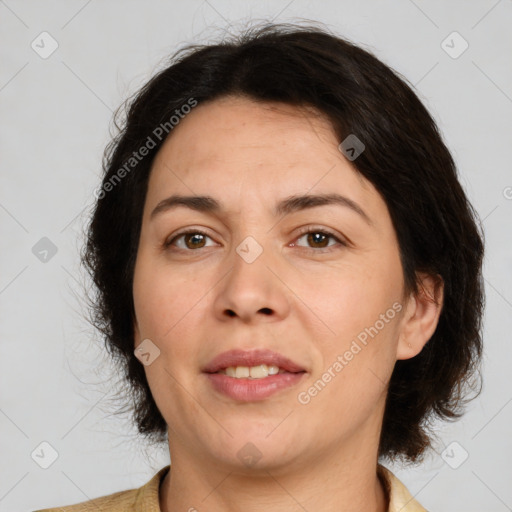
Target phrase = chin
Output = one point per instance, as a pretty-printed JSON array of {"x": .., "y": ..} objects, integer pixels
[{"x": 258, "y": 447}]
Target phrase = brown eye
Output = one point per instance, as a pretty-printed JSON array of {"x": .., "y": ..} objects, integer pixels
[
  {"x": 319, "y": 239},
  {"x": 192, "y": 240}
]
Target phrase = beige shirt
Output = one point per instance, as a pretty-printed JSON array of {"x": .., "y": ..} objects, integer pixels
[{"x": 145, "y": 498}]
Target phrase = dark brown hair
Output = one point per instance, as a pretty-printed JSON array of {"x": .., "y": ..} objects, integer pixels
[{"x": 405, "y": 159}]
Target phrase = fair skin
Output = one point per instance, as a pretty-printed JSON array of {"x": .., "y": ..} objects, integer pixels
[{"x": 304, "y": 296}]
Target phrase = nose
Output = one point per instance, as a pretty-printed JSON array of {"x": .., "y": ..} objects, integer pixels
[{"x": 252, "y": 291}]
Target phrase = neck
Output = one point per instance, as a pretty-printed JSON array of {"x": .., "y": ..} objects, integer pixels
[{"x": 328, "y": 483}]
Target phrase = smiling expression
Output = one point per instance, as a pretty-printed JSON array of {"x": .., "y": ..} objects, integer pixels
[{"x": 287, "y": 249}]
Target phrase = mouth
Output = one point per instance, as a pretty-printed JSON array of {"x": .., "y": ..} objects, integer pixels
[
  {"x": 249, "y": 376},
  {"x": 261, "y": 362},
  {"x": 261, "y": 371}
]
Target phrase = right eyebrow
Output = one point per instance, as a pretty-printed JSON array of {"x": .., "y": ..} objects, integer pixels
[{"x": 286, "y": 206}]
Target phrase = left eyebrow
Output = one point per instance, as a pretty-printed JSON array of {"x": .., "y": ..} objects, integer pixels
[
  {"x": 303, "y": 202},
  {"x": 208, "y": 204}
]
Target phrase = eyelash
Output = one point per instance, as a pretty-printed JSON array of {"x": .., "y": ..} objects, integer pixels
[{"x": 302, "y": 232}]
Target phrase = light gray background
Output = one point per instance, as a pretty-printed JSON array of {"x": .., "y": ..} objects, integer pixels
[{"x": 55, "y": 115}]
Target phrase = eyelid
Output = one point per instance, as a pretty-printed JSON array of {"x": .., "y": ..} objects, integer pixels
[
  {"x": 320, "y": 229},
  {"x": 302, "y": 231},
  {"x": 186, "y": 231}
]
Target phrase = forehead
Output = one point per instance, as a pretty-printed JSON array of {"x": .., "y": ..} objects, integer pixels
[
  {"x": 217, "y": 128},
  {"x": 236, "y": 145}
]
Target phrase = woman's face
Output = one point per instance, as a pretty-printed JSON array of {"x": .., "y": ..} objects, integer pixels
[{"x": 252, "y": 278}]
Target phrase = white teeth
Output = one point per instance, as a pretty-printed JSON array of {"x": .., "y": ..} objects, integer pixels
[
  {"x": 258, "y": 372},
  {"x": 273, "y": 370},
  {"x": 241, "y": 372},
  {"x": 254, "y": 372},
  {"x": 230, "y": 372}
]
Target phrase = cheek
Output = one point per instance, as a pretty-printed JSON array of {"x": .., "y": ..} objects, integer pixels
[
  {"x": 355, "y": 369},
  {"x": 362, "y": 319},
  {"x": 168, "y": 306},
  {"x": 346, "y": 303},
  {"x": 164, "y": 301}
]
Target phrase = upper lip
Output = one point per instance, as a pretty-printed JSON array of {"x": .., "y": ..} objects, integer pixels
[{"x": 255, "y": 357}]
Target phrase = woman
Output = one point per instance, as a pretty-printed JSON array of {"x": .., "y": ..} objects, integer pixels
[{"x": 289, "y": 273}]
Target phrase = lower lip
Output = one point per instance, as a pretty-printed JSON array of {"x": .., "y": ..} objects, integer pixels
[{"x": 249, "y": 390}]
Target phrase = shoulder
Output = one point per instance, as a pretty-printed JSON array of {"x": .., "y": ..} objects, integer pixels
[
  {"x": 400, "y": 498},
  {"x": 123, "y": 501}
]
